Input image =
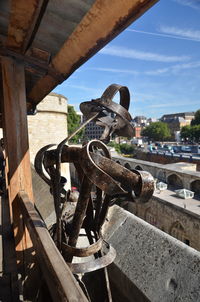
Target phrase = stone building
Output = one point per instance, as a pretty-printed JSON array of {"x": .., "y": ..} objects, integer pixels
[
  {"x": 188, "y": 116},
  {"x": 176, "y": 121},
  {"x": 49, "y": 126}
]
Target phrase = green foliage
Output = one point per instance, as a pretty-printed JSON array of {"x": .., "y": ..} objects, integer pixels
[
  {"x": 191, "y": 133},
  {"x": 157, "y": 131},
  {"x": 186, "y": 133},
  {"x": 112, "y": 144},
  {"x": 196, "y": 120},
  {"x": 73, "y": 121},
  {"x": 127, "y": 149},
  {"x": 122, "y": 148}
]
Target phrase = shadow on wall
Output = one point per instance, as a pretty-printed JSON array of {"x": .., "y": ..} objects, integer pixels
[
  {"x": 138, "y": 168},
  {"x": 195, "y": 187},
  {"x": 127, "y": 166},
  {"x": 178, "y": 231},
  {"x": 174, "y": 181},
  {"x": 161, "y": 176}
]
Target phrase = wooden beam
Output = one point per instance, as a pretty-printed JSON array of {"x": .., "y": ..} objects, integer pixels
[
  {"x": 104, "y": 21},
  {"x": 25, "y": 18},
  {"x": 17, "y": 149},
  {"x": 61, "y": 283}
]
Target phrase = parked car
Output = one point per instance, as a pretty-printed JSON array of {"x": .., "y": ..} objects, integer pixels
[
  {"x": 176, "y": 149},
  {"x": 186, "y": 149},
  {"x": 166, "y": 148}
]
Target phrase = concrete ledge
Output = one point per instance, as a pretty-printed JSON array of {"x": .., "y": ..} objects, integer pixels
[
  {"x": 157, "y": 265},
  {"x": 43, "y": 198}
]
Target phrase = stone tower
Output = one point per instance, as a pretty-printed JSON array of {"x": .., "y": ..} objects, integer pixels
[{"x": 49, "y": 126}]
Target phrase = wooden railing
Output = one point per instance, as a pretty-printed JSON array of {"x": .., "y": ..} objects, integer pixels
[{"x": 60, "y": 281}]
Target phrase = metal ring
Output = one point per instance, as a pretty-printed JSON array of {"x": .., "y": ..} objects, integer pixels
[
  {"x": 83, "y": 252},
  {"x": 95, "y": 174},
  {"x": 96, "y": 264}
]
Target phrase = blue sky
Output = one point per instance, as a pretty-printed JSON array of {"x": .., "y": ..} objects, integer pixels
[{"x": 157, "y": 57}]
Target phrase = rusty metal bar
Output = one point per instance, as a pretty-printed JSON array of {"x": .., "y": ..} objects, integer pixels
[{"x": 80, "y": 212}]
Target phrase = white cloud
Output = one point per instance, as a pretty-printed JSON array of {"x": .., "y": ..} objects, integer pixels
[
  {"x": 191, "y": 3},
  {"x": 81, "y": 87},
  {"x": 173, "y": 104},
  {"x": 190, "y": 34},
  {"x": 167, "y": 70},
  {"x": 174, "y": 69},
  {"x": 163, "y": 35},
  {"x": 115, "y": 70},
  {"x": 141, "y": 55}
]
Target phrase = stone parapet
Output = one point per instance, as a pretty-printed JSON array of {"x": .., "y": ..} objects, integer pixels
[
  {"x": 160, "y": 171},
  {"x": 150, "y": 265}
]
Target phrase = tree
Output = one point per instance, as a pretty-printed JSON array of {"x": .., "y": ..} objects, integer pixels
[
  {"x": 73, "y": 121},
  {"x": 157, "y": 131},
  {"x": 186, "y": 133},
  {"x": 196, "y": 120},
  {"x": 191, "y": 133},
  {"x": 127, "y": 149},
  {"x": 196, "y": 132}
]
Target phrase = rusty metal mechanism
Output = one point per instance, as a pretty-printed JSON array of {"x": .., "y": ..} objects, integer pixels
[{"x": 102, "y": 181}]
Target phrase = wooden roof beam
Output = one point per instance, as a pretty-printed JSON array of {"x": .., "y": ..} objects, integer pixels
[
  {"x": 105, "y": 20},
  {"x": 25, "y": 18}
]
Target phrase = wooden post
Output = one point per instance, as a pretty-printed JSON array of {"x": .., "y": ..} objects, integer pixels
[{"x": 17, "y": 152}]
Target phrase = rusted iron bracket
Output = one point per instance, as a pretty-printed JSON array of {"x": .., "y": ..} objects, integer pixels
[{"x": 102, "y": 181}]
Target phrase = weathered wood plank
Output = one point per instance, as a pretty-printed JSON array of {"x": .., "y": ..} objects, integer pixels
[
  {"x": 105, "y": 20},
  {"x": 61, "y": 283},
  {"x": 25, "y": 17},
  {"x": 17, "y": 149},
  {"x": 8, "y": 279}
]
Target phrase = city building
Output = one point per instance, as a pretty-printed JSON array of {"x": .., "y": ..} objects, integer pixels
[
  {"x": 137, "y": 131},
  {"x": 140, "y": 120},
  {"x": 152, "y": 120},
  {"x": 93, "y": 131},
  {"x": 176, "y": 121},
  {"x": 188, "y": 116}
]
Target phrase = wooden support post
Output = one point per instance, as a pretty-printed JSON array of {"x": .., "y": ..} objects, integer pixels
[{"x": 17, "y": 152}]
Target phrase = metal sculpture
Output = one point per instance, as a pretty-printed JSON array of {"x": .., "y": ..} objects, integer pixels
[{"x": 101, "y": 178}]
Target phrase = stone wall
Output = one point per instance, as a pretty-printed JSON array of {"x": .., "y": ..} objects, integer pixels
[
  {"x": 167, "y": 158},
  {"x": 172, "y": 219},
  {"x": 150, "y": 265},
  {"x": 162, "y": 172},
  {"x": 49, "y": 126}
]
